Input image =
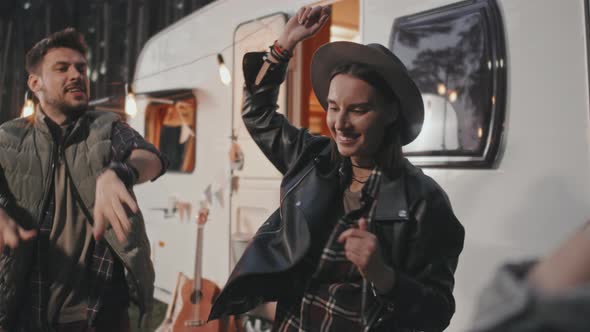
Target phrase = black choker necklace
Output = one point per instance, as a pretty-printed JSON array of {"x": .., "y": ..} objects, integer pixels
[
  {"x": 354, "y": 178},
  {"x": 359, "y": 181},
  {"x": 362, "y": 167}
]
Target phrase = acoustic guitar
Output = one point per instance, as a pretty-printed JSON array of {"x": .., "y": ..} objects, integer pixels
[{"x": 193, "y": 298}]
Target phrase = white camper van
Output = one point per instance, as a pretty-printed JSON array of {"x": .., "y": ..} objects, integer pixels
[{"x": 505, "y": 87}]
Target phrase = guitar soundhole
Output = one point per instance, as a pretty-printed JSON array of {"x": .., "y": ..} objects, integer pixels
[{"x": 196, "y": 296}]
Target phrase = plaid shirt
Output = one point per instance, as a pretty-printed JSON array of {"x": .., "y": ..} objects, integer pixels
[
  {"x": 337, "y": 293},
  {"x": 101, "y": 264}
]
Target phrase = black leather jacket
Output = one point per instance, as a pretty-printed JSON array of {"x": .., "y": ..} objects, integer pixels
[{"x": 419, "y": 234}]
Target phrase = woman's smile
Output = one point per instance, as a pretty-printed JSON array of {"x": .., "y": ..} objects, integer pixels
[{"x": 347, "y": 139}]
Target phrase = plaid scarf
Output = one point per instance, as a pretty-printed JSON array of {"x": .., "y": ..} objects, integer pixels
[{"x": 337, "y": 293}]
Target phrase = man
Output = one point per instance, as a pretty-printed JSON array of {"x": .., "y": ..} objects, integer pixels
[
  {"x": 77, "y": 248},
  {"x": 551, "y": 295}
]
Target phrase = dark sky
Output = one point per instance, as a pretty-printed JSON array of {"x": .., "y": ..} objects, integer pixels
[{"x": 115, "y": 31}]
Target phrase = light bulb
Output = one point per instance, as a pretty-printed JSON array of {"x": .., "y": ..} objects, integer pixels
[
  {"x": 28, "y": 108},
  {"x": 130, "y": 105},
  {"x": 224, "y": 73},
  {"x": 453, "y": 96},
  {"x": 441, "y": 89}
]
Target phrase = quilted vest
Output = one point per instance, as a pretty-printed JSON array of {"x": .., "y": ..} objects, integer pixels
[{"x": 27, "y": 154}]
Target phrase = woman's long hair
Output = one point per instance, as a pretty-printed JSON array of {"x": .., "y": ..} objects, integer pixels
[{"x": 389, "y": 156}]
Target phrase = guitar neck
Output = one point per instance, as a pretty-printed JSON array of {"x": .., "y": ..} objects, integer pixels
[{"x": 198, "y": 259}]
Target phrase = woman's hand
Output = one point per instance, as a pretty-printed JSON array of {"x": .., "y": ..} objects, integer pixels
[
  {"x": 568, "y": 267},
  {"x": 363, "y": 250},
  {"x": 306, "y": 23}
]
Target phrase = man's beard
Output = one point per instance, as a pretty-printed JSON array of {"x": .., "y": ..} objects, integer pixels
[
  {"x": 73, "y": 111},
  {"x": 70, "y": 111}
]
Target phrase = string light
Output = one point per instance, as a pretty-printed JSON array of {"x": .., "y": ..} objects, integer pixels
[
  {"x": 130, "y": 104},
  {"x": 190, "y": 62},
  {"x": 29, "y": 106},
  {"x": 453, "y": 96},
  {"x": 441, "y": 89},
  {"x": 223, "y": 70}
]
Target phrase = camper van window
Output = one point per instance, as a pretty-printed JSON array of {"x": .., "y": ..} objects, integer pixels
[
  {"x": 171, "y": 128},
  {"x": 456, "y": 56}
]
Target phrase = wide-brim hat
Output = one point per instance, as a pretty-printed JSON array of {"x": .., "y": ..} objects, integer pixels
[{"x": 333, "y": 55}]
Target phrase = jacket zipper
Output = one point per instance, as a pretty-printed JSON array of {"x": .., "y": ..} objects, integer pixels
[
  {"x": 44, "y": 202},
  {"x": 295, "y": 186},
  {"x": 50, "y": 177},
  {"x": 87, "y": 213},
  {"x": 375, "y": 317}
]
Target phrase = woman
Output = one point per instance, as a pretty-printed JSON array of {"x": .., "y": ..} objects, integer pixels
[{"x": 362, "y": 240}]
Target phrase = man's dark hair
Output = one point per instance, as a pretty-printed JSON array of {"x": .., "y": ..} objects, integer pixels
[{"x": 68, "y": 38}]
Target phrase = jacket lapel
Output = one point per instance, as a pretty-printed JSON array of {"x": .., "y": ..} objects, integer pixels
[{"x": 392, "y": 203}]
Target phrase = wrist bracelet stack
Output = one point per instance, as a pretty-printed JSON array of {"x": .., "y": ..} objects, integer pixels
[
  {"x": 279, "y": 53},
  {"x": 125, "y": 171}
]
